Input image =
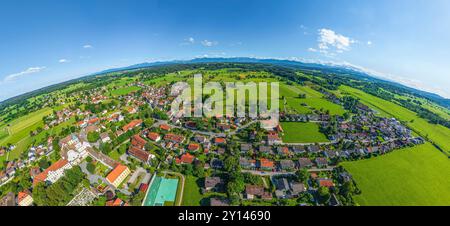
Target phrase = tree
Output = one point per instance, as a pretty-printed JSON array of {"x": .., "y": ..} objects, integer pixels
[
  {"x": 93, "y": 137},
  {"x": 148, "y": 122},
  {"x": 90, "y": 167},
  {"x": 302, "y": 175},
  {"x": 199, "y": 171},
  {"x": 230, "y": 163},
  {"x": 43, "y": 163},
  {"x": 39, "y": 194},
  {"x": 348, "y": 188},
  {"x": 235, "y": 184},
  {"x": 105, "y": 148},
  {"x": 188, "y": 169},
  {"x": 137, "y": 199},
  {"x": 324, "y": 195}
]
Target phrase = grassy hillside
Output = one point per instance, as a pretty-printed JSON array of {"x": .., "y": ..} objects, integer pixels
[
  {"x": 313, "y": 100},
  {"x": 21, "y": 127},
  {"x": 436, "y": 133},
  {"x": 411, "y": 176}
]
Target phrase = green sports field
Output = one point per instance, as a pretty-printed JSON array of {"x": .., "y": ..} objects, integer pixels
[
  {"x": 411, "y": 176},
  {"x": 302, "y": 132}
]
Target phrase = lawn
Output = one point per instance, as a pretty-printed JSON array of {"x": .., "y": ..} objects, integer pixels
[
  {"x": 192, "y": 195},
  {"x": 302, "y": 132},
  {"x": 114, "y": 155},
  {"x": 124, "y": 90},
  {"x": 411, "y": 176},
  {"x": 437, "y": 133}
]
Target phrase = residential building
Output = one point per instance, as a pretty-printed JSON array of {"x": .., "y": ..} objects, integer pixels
[
  {"x": 24, "y": 198},
  {"x": 133, "y": 124},
  {"x": 52, "y": 173},
  {"x": 118, "y": 174},
  {"x": 212, "y": 183}
]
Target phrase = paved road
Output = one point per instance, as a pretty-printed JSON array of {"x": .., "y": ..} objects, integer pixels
[
  {"x": 207, "y": 133},
  {"x": 124, "y": 158},
  {"x": 305, "y": 144},
  {"x": 264, "y": 173}
]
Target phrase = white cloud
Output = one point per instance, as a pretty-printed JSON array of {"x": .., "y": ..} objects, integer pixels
[
  {"x": 188, "y": 41},
  {"x": 209, "y": 43},
  {"x": 369, "y": 43},
  {"x": 63, "y": 61},
  {"x": 30, "y": 70},
  {"x": 304, "y": 29},
  {"x": 312, "y": 50},
  {"x": 331, "y": 41},
  {"x": 87, "y": 46}
]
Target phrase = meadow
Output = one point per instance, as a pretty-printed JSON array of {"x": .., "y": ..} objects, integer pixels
[
  {"x": 192, "y": 195},
  {"x": 412, "y": 176},
  {"x": 21, "y": 127},
  {"x": 302, "y": 132},
  {"x": 436, "y": 133},
  {"x": 313, "y": 100},
  {"x": 22, "y": 139},
  {"x": 124, "y": 90}
]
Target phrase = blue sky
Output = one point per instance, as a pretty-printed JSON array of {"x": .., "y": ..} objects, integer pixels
[{"x": 45, "y": 42}]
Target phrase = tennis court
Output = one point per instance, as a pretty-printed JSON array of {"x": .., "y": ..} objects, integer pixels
[{"x": 161, "y": 190}]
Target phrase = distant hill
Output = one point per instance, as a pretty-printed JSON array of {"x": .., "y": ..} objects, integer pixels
[{"x": 323, "y": 68}]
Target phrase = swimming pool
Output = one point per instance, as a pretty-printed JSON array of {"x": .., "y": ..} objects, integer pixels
[{"x": 161, "y": 190}]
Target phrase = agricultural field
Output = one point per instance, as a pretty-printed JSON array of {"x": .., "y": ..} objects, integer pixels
[
  {"x": 21, "y": 127},
  {"x": 411, "y": 176},
  {"x": 436, "y": 133},
  {"x": 169, "y": 78},
  {"x": 3, "y": 132},
  {"x": 313, "y": 100},
  {"x": 302, "y": 132},
  {"x": 124, "y": 90},
  {"x": 121, "y": 82}
]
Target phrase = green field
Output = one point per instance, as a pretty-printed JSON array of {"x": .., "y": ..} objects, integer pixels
[
  {"x": 411, "y": 176},
  {"x": 21, "y": 127},
  {"x": 437, "y": 133},
  {"x": 302, "y": 132},
  {"x": 3, "y": 133},
  {"x": 192, "y": 195},
  {"x": 124, "y": 90},
  {"x": 25, "y": 139},
  {"x": 313, "y": 100}
]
